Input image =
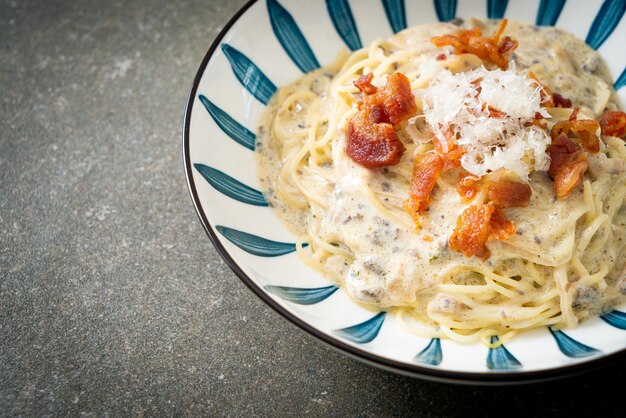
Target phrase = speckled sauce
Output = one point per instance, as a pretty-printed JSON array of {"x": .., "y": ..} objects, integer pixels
[{"x": 390, "y": 263}]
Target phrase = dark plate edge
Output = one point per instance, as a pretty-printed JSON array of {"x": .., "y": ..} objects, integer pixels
[{"x": 495, "y": 378}]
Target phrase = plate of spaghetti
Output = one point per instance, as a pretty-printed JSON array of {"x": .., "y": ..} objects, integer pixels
[{"x": 434, "y": 188}]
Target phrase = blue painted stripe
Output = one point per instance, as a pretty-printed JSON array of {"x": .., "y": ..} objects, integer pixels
[
  {"x": 496, "y": 8},
  {"x": 254, "y": 244},
  {"x": 431, "y": 354},
  {"x": 606, "y": 21},
  {"x": 549, "y": 12},
  {"x": 621, "y": 81},
  {"x": 228, "y": 125},
  {"x": 570, "y": 347},
  {"x": 291, "y": 38},
  {"x": 616, "y": 319},
  {"x": 231, "y": 187},
  {"x": 445, "y": 9},
  {"x": 396, "y": 14},
  {"x": 500, "y": 358},
  {"x": 249, "y": 74},
  {"x": 303, "y": 296},
  {"x": 364, "y": 332},
  {"x": 341, "y": 15}
]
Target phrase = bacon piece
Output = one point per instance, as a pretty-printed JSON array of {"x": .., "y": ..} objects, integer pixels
[
  {"x": 501, "y": 227},
  {"x": 570, "y": 175},
  {"x": 441, "y": 57},
  {"x": 477, "y": 225},
  {"x": 506, "y": 45},
  {"x": 426, "y": 168},
  {"x": 562, "y": 127},
  {"x": 452, "y": 158},
  {"x": 567, "y": 166},
  {"x": 509, "y": 194},
  {"x": 614, "y": 124},
  {"x": 397, "y": 98},
  {"x": 560, "y": 101},
  {"x": 448, "y": 150},
  {"x": 364, "y": 83},
  {"x": 372, "y": 143},
  {"x": 537, "y": 121},
  {"x": 561, "y": 150},
  {"x": 445, "y": 144},
  {"x": 495, "y": 113},
  {"x": 372, "y": 140},
  {"x": 473, "y": 229},
  {"x": 467, "y": 187},
  {"x": 471, "y": 41},
  {"x": 584, "y": 130}
]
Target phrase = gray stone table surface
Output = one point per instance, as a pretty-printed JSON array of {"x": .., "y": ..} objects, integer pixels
[{"x": 112, "y": 299}]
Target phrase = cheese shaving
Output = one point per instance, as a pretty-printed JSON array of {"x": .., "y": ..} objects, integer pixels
[{"x": 461, "y": 104}]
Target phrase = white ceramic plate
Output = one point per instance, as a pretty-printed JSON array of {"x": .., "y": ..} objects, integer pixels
[{"x": 271, "y": 43}]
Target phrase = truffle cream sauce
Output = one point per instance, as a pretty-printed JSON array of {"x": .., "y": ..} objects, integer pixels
[{"x": 392, "y": 264}]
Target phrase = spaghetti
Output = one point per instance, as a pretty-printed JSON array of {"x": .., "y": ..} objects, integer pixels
[{"x": 563, "y": 262}]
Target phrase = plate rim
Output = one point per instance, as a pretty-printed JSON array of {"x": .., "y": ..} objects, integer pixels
[{"x": 414, "y": 370}]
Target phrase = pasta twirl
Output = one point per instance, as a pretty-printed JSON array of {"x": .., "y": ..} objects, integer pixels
[{"x": 565, "y": 260}]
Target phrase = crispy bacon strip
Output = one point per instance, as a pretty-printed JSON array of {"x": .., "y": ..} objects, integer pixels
[
  {"x": 501, "y": 227},
  {"x": 476, "y": 225},
  {"x": 586, "y": 130},
  {"x": 426, "y": 168},
  {"x": 397, "y": 99},
  {"x": 445, "y": 144},
  {"x": 480, "y": 223},
  {"x": 364, "y": 83},
  {"x": 452, "y": 158},
  {"x": 467, "y": 187},
  {"x": 614, "y": 124},
  {"x": 373, "y": 144},
  {"x": 495, "y": 113},
  {"x": 493, "y": 48},
  {"x": 582, "y": 129},
  {"x": 568, "y": 160},
  {"x": 567, "y": 166},
  {"x": 509, "y": 194},
  {"x": 372, "y": 140},
  {"x": 472, "y": 231},
  {"x": 537, "y": 121},
  {"x": 560, "y": 101}
]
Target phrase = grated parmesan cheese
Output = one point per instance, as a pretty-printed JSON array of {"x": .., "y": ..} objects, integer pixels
[{"x": 454, "y": 102}]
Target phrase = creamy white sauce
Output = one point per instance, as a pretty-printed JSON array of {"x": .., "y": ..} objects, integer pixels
[{"x": 394, "y": 265}]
